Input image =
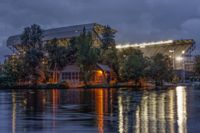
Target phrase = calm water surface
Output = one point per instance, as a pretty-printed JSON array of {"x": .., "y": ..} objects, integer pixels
[{"x": 100, "y": 110}]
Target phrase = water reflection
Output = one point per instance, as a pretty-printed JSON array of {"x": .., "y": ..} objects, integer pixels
[
  {"x": 181, "y": 109},
  {"x": 158, "y": 112},
  {"x": 99, "y": 110},
  {"x": 13, "y": 112},
  {"x": 120, "y": 108}
]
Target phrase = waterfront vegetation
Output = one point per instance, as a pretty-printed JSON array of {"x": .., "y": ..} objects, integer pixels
[{"x": 34, "y": 60}]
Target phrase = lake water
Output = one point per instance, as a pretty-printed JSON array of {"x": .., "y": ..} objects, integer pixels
[{"x": 100, "y": 110}]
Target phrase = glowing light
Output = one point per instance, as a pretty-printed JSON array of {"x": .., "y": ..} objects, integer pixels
[
  {"x": 183, "y": 52},
  {"x": 179, "y": 58},
  {"x": 99, "y": 72},
  {"x": 142, "y": 45}
]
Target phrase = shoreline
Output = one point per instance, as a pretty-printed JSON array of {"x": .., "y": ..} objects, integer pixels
[{"x": 95, "y": 86}]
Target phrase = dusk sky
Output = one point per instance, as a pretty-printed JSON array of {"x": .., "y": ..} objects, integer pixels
[{"x": 135, "y": 20}]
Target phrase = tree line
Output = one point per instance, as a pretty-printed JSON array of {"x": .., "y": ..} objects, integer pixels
[{"x": 35, "y": 60}]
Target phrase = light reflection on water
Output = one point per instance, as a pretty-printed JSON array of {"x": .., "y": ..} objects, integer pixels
[{"x": 96, "y": 110}]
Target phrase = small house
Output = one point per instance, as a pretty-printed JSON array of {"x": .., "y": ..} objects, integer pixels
[{"x": 72, "y": 75}]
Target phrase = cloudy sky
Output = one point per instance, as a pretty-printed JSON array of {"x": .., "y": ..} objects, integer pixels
[{"x": 135, "y": 20}]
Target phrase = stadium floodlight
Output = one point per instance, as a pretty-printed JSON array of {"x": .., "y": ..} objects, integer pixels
[
  {"x": 179, "y": 58},
  {"x": 142, "y": 45}
]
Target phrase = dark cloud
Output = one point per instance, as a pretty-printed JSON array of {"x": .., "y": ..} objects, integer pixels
[{"x": 135, "y": 20}]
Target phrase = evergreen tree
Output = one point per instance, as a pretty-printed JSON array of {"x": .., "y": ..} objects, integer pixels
[
  {"x": 73, "y": 48},
  {"x": 108, "y": 38},
  {"x": 33, "y": 64},
  {"x": 29, "y": 55},
  {"x": 31, "y": 38},
  {"x": 58, "y": 57},
  {"x": 108, "y": 51},
  {"x": 87, "y": 56}
]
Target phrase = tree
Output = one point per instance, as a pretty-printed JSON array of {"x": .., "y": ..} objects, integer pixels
[
  {"x": 29, "y": 55},
  {"x": 161, "y": 69},
  {"x": 197, "y": 65},
  {"x": 33, "y": 64},
  {"x": 13, "y": 68},
  {"x": 108, "y": 38},
  {"x": 108, "y": 51},
  {"x": 58, "y": 57},
  {"x": 73, "y": 48},
  {"x": 132, "y": 64},
  {"x": 31, "y": 50},
  {"x": 87, "y": 56},
  {"x": 110, "y": 58},
  {"x": 31, "y": 38}
]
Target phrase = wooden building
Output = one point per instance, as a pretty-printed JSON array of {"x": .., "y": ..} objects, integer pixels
[{"x": 72, "y": 75}]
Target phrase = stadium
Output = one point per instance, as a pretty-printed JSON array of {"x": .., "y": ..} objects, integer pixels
[{"x": 178, "y": 50}]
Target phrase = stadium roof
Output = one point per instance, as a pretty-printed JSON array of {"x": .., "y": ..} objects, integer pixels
[
  {"x": 159, "y": 43},
  {"x": 59, "y": 33},
  {"x": 169, "y": 47}
]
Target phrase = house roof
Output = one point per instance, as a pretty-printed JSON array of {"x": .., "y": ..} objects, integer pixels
[{"x": 104, "y": 67}]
